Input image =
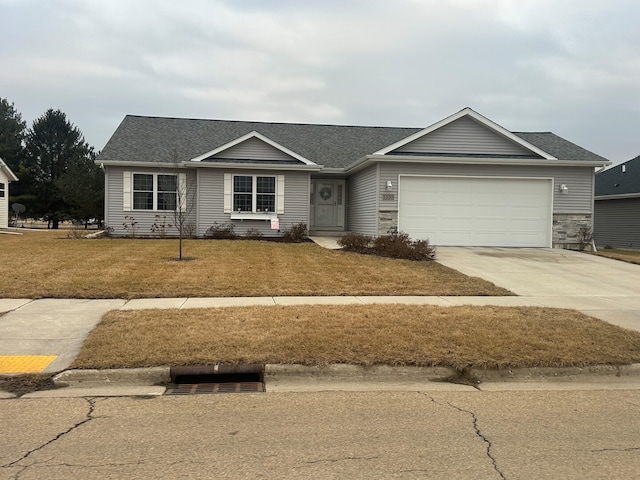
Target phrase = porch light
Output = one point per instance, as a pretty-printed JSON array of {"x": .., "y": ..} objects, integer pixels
[
  {"x": 564, "y": 189},
  {"x": 389, "y": 185}
]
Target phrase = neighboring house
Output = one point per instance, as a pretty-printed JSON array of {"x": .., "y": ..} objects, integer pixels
[
  {"x": 462, "y": 181},
  {"x": 6, "y": 176},
  {"x": 617, "y": 206}
]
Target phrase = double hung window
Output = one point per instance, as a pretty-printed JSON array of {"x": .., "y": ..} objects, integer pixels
[
  {"x": 254, "y": 193},
  {"x": 2, "y": 189},
  {"x": 153, "y": 191}
]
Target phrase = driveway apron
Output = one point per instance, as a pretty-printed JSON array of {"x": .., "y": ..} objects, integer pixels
[{"x": 601, "y": 287}]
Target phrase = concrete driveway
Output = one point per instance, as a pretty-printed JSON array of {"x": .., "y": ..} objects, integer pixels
[{"x": 600, "y": 287}]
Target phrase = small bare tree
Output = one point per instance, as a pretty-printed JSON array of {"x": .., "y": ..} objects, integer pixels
[
  {"x": 183, "y": 208},
  {"x": 185, "y": 201}
]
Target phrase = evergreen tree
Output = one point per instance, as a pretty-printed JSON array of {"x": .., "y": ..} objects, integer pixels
[
  {"x": 12, "y": 129},
  {"x": 82, "y": 188},
  {"x": 52, "y": 145}
]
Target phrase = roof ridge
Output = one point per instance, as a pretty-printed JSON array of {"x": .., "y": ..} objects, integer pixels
[{"x": 268, "y": 123}]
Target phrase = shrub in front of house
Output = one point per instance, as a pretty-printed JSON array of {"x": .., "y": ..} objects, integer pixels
[
  {"x": 253, "y": 234},
  {"x": 393, "y": 246},
  {"x": 221, "y": 231},
  {"x": 297, "y": 233},
  {"x": 355, "y": 242}
]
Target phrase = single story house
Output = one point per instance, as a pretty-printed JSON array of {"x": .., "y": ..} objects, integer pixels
[
  {"x": 617, "y": 206},
  {"x": 464, "y": 180},
  {"x": 6, "y": 176}
]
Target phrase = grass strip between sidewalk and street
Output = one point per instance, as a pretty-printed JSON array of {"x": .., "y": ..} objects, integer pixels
[{"x": 461, "y": 337}]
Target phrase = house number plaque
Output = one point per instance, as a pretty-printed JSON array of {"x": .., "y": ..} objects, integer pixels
[{"x": 388, "y": 196}]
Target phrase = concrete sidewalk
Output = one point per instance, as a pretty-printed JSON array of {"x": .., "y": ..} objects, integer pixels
[{"x": 58, "y": 327}]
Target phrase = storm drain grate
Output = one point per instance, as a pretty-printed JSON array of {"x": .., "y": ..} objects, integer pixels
[
  {"x": 202, "y": 388},
  {"x": 209, "y": 379}
]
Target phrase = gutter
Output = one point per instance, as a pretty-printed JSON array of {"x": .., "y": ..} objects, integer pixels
[
  {"x": 618, "y": 196},
  {"x": 369, "y": 159}
]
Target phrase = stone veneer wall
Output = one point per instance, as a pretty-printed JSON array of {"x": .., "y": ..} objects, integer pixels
[
  {"x": 387, "y": 222},
  {"x": 566, "y": 227}
]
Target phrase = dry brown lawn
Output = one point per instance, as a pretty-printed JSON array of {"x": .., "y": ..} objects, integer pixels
[
  {"x": 462, "y": 337},
  {"x": 47, "y": 264},
  {"x": 631, "y": 256}
]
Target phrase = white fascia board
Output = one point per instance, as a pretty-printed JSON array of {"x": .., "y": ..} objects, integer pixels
[
  {"x": 5, "y": 168},
  {"x": 249, "y": 135},
  {"x": 619, "y": 196},
  {"x": 468, "y": 112},
  {"x": 252, "y": 166},
  {"x": 469, "y": 161},
  {"x": 119, "y": 163}
]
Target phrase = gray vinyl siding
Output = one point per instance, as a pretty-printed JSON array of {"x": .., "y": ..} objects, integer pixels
[
  {"x": 362, "y": 206},
  {"x": 465, "y": 136},
  {"x": 255, "y": 149},
  {"x": 211, "y": 201},
  {"x": 114, "y": 214},
  {"x": 579, "y": 180},
  {"x": 617, "y": 223}
]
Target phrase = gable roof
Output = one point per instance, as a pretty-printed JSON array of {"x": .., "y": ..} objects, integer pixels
[
  {"x": 247, "y": 138},
  {"x": 7, "y": 171},
  {"x": 468, "y": 113},
  {"x": 623, "y": 179},
  {"x": 161, "y": 140}
]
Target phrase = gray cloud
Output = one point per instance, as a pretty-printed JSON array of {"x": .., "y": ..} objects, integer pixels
[{"x": 570, "y": 67}]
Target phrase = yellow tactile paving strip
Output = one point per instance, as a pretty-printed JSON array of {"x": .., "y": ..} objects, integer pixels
[{"x": 25, "y": 363}]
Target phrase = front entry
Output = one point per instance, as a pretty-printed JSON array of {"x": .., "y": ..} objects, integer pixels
[{"x": 327, "y": 204}]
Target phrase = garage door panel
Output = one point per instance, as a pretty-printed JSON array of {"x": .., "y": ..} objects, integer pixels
[{"x": 476, "y": 211}]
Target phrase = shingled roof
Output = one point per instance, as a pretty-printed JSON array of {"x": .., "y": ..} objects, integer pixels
[
  {"x": 158, "y": 139},
  {"x": 623, "y": 179}
]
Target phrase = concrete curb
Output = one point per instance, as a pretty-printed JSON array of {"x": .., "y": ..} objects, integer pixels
[
  {"x": 355, "y": 373},
  {"x": 123, "y": 376}
]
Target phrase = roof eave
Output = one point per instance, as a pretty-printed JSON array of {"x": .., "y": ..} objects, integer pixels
[
  {"x": 253, "y": 166},
  {"x": 5, "y": 168},
  {"x": 129, "y": 163},
  {"x": 618, "y": 196},
  {"x": 473, "y": 161}
]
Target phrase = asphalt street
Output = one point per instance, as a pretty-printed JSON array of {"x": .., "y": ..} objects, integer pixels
[{"x": 407, "y": 435}]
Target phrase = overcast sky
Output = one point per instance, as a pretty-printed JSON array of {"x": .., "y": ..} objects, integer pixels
[{"x": 567, "y": 66}]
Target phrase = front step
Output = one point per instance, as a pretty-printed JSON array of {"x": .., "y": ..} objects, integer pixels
[{"x": 326, "y": 233}]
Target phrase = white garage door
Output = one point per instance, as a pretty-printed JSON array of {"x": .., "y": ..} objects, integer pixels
[{"x": 472, "y": 211}]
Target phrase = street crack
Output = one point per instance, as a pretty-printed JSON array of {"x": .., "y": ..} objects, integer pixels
[
  {"x": 478, "y": 432},
  {"x": 335, "y": 460},
  {"x": 89, "y": 417},
  {"x": 630, "y": 449}
]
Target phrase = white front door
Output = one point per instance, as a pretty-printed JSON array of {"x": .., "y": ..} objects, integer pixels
[{"x": 328, "y": 204}]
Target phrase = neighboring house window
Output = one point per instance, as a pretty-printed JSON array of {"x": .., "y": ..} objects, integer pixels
[
  {"x": 254, "y": 193},
  {"x": 154, "y": 191},
  {"x": 2, "y": 190}
]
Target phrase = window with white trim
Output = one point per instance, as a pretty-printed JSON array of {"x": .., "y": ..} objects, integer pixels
[
  {"x": 2, "y": 188},
  {"x": 153, "y": 191},
  {"x": 254, "y": 193}
]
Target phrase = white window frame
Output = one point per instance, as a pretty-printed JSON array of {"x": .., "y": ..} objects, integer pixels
[
  {"x": 254, "y": 193},
  {"x": 228, "y": 198},
  {"x": 2, "y": 190},
  {"x": 128, "y": 192}
]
